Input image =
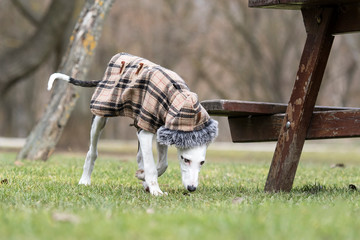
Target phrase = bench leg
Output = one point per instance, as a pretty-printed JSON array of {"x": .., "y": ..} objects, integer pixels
[{"x": 302, "y": 101}]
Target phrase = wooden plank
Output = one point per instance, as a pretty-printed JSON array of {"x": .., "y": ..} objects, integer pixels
[
  {"x": 242, "y": 108},
  {"x": 348, "y": 19},
  {"x": 348, "y": 11},
  {"x": 302, "y": 101},
  {"x": 255, "y": 128},
  {"x": 329, "y": 124},
  {"x": 297, "y": 4},
  {"x": 236, "y": 108}
]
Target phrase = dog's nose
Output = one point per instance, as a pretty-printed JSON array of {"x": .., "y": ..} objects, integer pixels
[{"x": 191, "y": 188}]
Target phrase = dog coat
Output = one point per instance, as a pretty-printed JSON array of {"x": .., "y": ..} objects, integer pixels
[{"x": 156, "y": 98}]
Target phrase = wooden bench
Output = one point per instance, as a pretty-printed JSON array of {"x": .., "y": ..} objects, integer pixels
[
  {"x": 298, "y": 120},
  {"x": 261, "y": 121},
  {"x": 290, "y": 124}
]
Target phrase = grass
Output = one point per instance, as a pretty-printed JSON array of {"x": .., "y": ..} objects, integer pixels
[{"x": 43, "y": 201}]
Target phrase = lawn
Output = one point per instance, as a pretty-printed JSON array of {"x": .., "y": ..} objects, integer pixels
[{"x": 43, "y": 201}]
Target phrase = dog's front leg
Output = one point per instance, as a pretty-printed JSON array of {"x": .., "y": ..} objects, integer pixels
[
  {"x": 151, "y": 174},
  {"x": 161, "y": 166},
  {"x": 97, "y": 125},
  {"x": 140, "y": 172}
]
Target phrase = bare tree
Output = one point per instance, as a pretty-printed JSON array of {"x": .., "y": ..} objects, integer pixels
[
  {"x": 42, "y": 140},
  {"x": 15, "y": 64},
  {"x": 30, "y": 16}
]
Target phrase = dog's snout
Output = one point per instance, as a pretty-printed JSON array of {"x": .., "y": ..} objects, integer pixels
[{"x": 191, "y": 188}]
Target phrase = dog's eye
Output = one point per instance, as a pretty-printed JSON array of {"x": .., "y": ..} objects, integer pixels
[
  {"x": 185, "y": 160},
  {"x": 202, "y": 163}
]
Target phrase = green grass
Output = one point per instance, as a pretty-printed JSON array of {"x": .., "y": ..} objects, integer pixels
[{"x": 320, "y": 206}]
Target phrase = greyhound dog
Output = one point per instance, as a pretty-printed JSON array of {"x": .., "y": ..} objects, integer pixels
[{"x": 161, "y": 105}]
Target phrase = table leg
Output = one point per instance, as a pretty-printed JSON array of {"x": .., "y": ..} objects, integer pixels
[{"x": 302, "y": 101}]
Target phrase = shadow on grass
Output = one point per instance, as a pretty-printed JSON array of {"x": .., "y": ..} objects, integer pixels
[
  {"x": 309, "y": 189},
  {"x": 317, "y": 188}
]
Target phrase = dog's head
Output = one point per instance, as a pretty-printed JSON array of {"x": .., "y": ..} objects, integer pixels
[
  {"x": 191, "y": 147},
  {"x": 191, "y": 161}
]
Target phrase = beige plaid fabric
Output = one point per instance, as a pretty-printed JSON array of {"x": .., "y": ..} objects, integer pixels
[{"x": 150, "y": 94}]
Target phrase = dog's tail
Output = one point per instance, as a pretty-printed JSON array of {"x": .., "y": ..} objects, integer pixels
[{"x": 70, "y": 80}]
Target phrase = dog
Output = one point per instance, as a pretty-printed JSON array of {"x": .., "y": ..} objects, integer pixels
[{"x": 161, "y": 105}]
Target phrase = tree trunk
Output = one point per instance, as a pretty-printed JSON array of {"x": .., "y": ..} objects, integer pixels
[{"x": 42, "y": 140}]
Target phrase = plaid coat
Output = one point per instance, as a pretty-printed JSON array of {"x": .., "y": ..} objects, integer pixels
[{"x": 150, "y": 94}]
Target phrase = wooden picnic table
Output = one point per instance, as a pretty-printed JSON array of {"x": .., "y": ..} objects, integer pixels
[{"x": 290, "y": 124}]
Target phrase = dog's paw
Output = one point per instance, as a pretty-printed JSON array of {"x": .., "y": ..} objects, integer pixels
[
  {"x": 155, "y": 191},
  {"x": 152, "y": 189},
  {"x": 85, "y": 181},
  {"x": 140, "y": 174}
]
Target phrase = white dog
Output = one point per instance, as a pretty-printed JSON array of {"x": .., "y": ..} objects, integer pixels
[{"x": 161, "y": 105}]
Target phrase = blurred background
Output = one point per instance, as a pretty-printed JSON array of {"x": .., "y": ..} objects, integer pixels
[{"x": 222, "y": 49}]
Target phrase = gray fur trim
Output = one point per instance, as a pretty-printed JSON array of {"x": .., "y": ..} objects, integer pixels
[{"x": 182, "y": 139}]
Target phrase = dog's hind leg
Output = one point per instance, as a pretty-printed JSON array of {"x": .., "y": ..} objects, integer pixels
[
  {"x": 162, "y": 163},
  {"x": 97, "y": 126},
  {"x": 151, "y": 174}
]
